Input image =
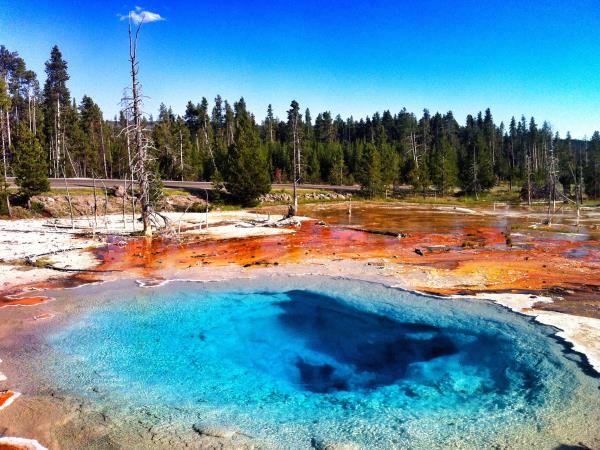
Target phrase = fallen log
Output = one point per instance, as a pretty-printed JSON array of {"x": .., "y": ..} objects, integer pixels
[
  {"x": 54, "y": 252},
  {"x": 66, "y": 269},
  {"x": 379, "y": 232}
]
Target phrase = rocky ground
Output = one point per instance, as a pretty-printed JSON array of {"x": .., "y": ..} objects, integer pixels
[{"x": 284, "y": 197}]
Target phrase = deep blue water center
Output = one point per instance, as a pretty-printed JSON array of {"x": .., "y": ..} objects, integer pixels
[
  {"x": 346, "y": 349},
  {"x": 343, "y": 361}
]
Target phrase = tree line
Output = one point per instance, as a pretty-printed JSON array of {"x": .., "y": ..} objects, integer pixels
[{"x": 46, "y": 133}]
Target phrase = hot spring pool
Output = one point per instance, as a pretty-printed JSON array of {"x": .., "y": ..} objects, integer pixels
[{"x": 294, "y": 363}]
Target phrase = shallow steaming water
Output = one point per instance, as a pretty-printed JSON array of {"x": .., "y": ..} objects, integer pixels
[{"x": 338, "y": 361}]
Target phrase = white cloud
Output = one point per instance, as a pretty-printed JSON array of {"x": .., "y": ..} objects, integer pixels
[{"x": 142, "y": 16}]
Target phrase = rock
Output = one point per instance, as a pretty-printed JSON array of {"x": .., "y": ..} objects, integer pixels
[
  {"x": 214, "y": 431},
  {"x": 318, "y": 444},
  {"x": 285, "y": 197},
  {"x": 118, "y": 191}
]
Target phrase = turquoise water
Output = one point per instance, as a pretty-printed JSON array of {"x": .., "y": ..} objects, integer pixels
[{"x": 340, "y": 361}]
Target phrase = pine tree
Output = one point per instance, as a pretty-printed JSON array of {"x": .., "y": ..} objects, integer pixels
[
  {"x": 337, "y": 171},
  {"x": 164, "y": 143},
  {"x": 247, "y": 174},
  {"x": 56, "y": 100},
  {"x": 270, "y": 125},
  {"x": 80, "y": 156},
  {"x": 592, "y": 170},
  {"x": 443, "y": 165},
  {"x": 475, "y": 162},
  {"x": 91, "y": 124},
  {"x": 389, "y": 166},
  {"x": 30, "y": 167},
  {"x": 370, "y": 173}
]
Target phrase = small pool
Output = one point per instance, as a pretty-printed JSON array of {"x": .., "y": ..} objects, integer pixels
[{"x": 294, "y": 363}]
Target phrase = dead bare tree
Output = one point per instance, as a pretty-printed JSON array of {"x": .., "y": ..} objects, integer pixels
[
  {"x": 528, "y": 174},
  {"x": 181, "y": 151},
  {"x": 141, "y": 142},
  {"x": 95, "y": 208},
  {"x": 124, "y": 198},
  {"x": 103, "y": 149},
  {"x": 64, "y": 171},
  {"x": 414, "y": 148},
  {"x": 296, "y": 155},
  {"x": 5, "y": 163},
  {"x": 551, "y": 184},
  {"x": 207, "y": 142},
  {"x": 105, "y": 204},
  {"x": 130, "y": 164},
  {"x": 8, "y": 134},
  {"x": 577, "y": 175}
]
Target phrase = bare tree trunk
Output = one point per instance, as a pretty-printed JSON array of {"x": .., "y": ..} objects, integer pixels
[
  {"x": 230, "y": 138},
  {"x": 110, "y": 157},
  {"x": 124, "y": 198},
  {"x": 295, "y": 161},
  {"x": 5, "y": 164},
  {"x": 578, "y": 185},
  {"x": 57, "y": 131},
  {"x": 207, "y": 142},
  {"x": 413, "y": 142},
  {"x": 528, "y": 168},
  {"x": 105, "y": 205},
  {"x": 95, "y": 201},
  {"x": 34, "y": 118},
  {"x": 140, "y": 148},
  {"x": 131, "y": 174},
  {"x": 103, "y": 150},
  {"x": 552, "y": 187},
  {"x": 68, "y": 198},
  {"x": 133, "y": 199},
  {"x": 29, "y": 110},
  {"x": 8, "y": 129},
  {"x": 68, "y": 154},
  {"x": 512, "y": 159},
  {"x": 181, "y": 152}
]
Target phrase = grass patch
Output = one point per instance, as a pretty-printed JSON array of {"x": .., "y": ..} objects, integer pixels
[
  {"x": 171, "y": 192},
  {"x": 300, "y": 191},
  {"x": 594, "y": 203},
  {"x": 37, "y": 207},
  {"x": 42, "y": 262},
  {"x": 485, "y": 198},
  {"x": 75, "y": 191}
]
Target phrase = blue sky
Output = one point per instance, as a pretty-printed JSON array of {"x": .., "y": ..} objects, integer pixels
[{"x": 538, "y": 58}]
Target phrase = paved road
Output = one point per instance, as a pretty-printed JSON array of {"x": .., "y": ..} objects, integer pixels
[{"x": 58, "y": 183}]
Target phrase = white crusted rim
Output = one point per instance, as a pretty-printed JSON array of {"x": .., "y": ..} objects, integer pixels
[
  {"x": 10, "y": 399},
  {"x": 583, "y": 333},
  {"x": 22, "y": 443}
]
